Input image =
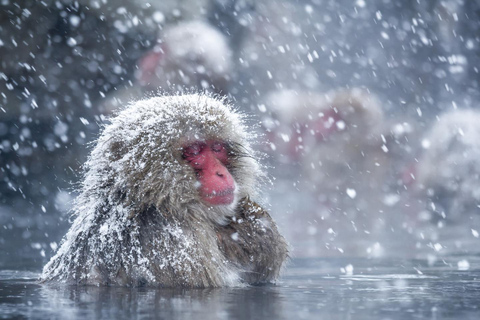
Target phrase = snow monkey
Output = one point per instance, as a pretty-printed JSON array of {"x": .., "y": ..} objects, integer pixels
[
  {"x": 333, "y": 141},
  {"x": 344, "y": 160},
  {"x": 342, "y": 148},
  {"x": 166, "y": 201},
  {"x": 448, "y": 171},
  {"x": 335, "y": 137},
  {"x": 188, "y": 56}
]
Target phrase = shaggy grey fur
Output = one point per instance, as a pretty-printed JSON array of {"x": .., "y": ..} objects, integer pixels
[{"x": 139, "y": 220}]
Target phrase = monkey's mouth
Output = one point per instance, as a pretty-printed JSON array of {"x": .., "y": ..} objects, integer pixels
[{"x": 222, "y": 197}]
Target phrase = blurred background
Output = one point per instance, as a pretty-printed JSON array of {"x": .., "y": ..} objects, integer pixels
[{"x": 368, "y": 112}]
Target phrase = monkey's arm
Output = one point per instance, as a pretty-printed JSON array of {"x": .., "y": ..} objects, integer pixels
[{"x": 253, "y": 244}]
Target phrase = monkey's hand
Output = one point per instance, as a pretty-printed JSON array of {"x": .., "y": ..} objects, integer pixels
[
  {"x": 251, "y": 209},
  {"x": 253, "y": 244}
]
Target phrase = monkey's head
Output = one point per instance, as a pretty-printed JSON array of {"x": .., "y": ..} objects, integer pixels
[
  {"x": 306, "y": 122},
  {"x": 350, "y": 114},
  {"x": 190, "y": 54},
  {"x": 185, "y": 154}
]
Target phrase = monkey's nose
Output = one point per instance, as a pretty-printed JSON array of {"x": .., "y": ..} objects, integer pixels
[{"x": 219, "y": 174}]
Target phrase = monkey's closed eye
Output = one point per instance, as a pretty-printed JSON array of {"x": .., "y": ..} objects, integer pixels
[
  {"x": 218, "y": 147},
  {"x": 192, "y": 150}
]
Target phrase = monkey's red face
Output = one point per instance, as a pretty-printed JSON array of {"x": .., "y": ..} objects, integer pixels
[
  {"x": 330, "y": 123},
  {"x": 209, "y": 159}
]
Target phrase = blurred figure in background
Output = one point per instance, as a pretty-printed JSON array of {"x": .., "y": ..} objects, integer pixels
[
  {"x": 189, "y": 56},
  {"x": 448, "y": 172},
  {"x": 286, "y": 121},
  {"x": 345, "y": 158},
  {"x": 332, "y": 150}
]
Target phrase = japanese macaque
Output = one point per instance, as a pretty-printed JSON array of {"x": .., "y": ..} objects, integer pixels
[
  {"x": 167, "y": 201},
  {"x": 448, "y": 171},
  {"x": 289, "y": 115},
  {"x": 188, "y": 56},
  {"x": 335, "y": 137},
  {"x": 333, "y": 142},
  {"x": 343, "y": 155}
]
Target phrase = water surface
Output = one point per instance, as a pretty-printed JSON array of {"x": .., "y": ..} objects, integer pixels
[{"x": 333, "y": 288}]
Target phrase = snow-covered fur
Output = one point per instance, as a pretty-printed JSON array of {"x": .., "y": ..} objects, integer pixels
[
  {"x": 289, "y": 112},
  {"x": 190, "y": 54},
  {"x": 345, "y": 168},
  {"x": 347, "y": 157},
  {"x": 449, "y": 170},
  {"x": 139, "y": 220}
]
